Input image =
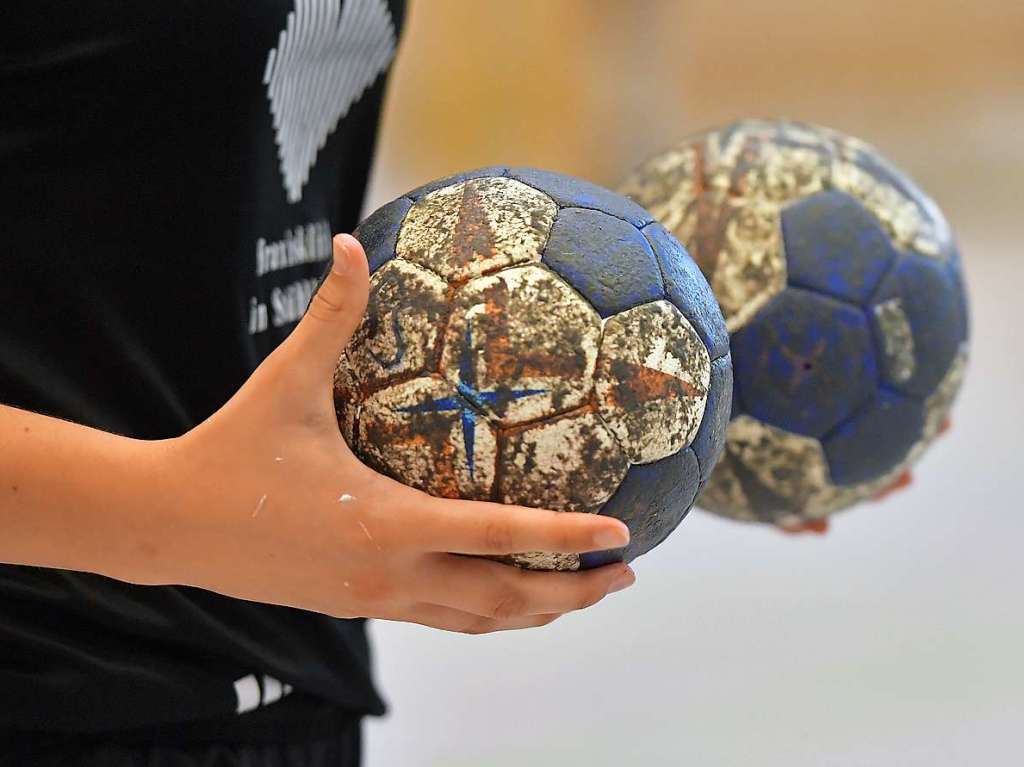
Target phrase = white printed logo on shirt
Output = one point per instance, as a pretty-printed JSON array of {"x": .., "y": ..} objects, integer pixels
[
  {"x": 325, "y": 59},
  {"x": 252, "y": 692}
]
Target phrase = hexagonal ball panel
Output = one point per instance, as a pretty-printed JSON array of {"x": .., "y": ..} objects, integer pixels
[
  {"x": 805, "y": 363},
  {"x": 521, "y": 344},
  {"x": 688, "y": 289},
  {"x": 399, "y": 332},
  {"x": 931, "y": 305},
  {"x": 570, "y": 192},
  {"x": 424, "y": 434},
  {"x": 652, "y": 500},
  {"x": 476, "y": 226},
  {"x": 835, "y": 246},
  {"x": 652, "y": 380},
  {"x": 874, "y": 439},
  {"x": 604, "y": 258},
  {"x": 571, "y": 463}
]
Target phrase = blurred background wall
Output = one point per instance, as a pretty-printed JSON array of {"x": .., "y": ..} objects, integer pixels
[{"x": 894, "y": 640}]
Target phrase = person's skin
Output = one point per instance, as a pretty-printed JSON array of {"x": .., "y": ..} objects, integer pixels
[{"x": 264, "y": 501}]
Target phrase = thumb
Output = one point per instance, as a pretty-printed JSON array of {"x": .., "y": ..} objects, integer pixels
[{"x": 334, "y": 312}]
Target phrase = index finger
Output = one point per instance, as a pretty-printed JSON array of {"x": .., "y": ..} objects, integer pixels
[{"x": 480, "y": 527}]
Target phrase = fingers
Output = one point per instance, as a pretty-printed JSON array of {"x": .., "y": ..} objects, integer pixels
[
  {"x": 474, "y": 527},
  {"x": 493, "y": 590},
  {"x": 334, "y": 312},
  {"x": 448, "y": 619}
]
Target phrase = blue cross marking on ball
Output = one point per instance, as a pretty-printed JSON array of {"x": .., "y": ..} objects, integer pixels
[{"x": 472, "y": 398}]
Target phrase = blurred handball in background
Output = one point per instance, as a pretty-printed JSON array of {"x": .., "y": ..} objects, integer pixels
[
  {"x": 534, "y": 339},
  {"x": 841, "y": 287}
]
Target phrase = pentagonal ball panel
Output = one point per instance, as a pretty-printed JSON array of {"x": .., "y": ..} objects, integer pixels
[
  {"x": 874, "y": 439},
  {"x": 805, "y": 363},
  {"x": 461, "y": 231},
  {"x": 378, "y": 233},
  {"x": 652, "y": 500},
  {"x": 604, "y": 258},
  {"x": 571, "y": 463},
  {"x": 424, "y": 434},
  {"x": 521, "y": 344},
  {"x": 398, "y": 336},
  {"x": 652, "y": 380}
]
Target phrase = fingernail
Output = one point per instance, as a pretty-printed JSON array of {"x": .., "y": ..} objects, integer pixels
[
  {"x": 340, "y": 262},
  {"x": 612, "y": 538},
  {"x": 624, "y": 581}
]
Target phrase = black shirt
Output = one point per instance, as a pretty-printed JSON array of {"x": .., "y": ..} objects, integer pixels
[{"x": 170, "y": 176}]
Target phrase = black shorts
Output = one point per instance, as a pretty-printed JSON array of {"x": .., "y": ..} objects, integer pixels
[{"x": 294, "y": 733}]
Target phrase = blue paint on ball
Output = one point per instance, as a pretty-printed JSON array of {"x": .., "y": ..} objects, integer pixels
[
  {"x": 688, "y": 290},
  {"x": 805, "y": 362},
  {"x": 874, "y": 439},
  {"x": 834, "y": 245},
  {"x": 652, "y": 500},
  {"x": 605, "y": 258}
]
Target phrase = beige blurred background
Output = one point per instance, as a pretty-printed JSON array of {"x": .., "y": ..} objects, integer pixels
[{"x": 897, "y": 638}]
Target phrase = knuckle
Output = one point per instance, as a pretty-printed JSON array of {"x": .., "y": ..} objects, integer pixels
[
  {"x": 326, "y": 303},
  {"x": 509, "y": 604}
]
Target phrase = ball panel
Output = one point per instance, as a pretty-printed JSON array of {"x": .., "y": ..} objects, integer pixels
[
  {"x": 399, "y": 338},
  {"x": 541, "y": 560},
  {"x": 896, "y": 340},
  {"x": 423, "y": 433},
  {"x": 914, "y": 219},
  {"x": 874, "y": 439},
  {"x": 652, "y": 380},
  {"x": 652, "y": 500},
  {"x": 422, "y": 191},
  {"x": 467, "y": 229},
  {"x": 688, "y": 290},
  {"x": 710, "y": 439},
  {"x": 571, "y": 463},
  {"x": 805, "y": 363},
  {"x": 606, "y": 259},
  {"x": 835, "y": 246},
  {"x": 571, "y": 192},
  {"x": 378, "y": 232},
  {"x": 925, "y": 293},
  {"x": 739, "y": 248},
  {"x": 667, "y": 185},
  {"x": 521, "y": 345},
  {"x": 347, "y": 399}
]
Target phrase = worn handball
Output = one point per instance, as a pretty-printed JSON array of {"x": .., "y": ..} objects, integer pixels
[
  {"x": 537, "y": 340},
  {"x": 842, "y": 289}
]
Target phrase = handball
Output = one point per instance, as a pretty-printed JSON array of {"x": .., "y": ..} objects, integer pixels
[
  {"x": 533, "y": 339},
  {"x": 842, "y": 290}
]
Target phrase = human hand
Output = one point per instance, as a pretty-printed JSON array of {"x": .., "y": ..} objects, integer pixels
[{"x": 265, "y": 501}]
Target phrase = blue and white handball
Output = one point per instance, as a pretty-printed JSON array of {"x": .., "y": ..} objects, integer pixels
[
  {"x": 537, "y": 340},
  {"x": 842, "y": 289}
]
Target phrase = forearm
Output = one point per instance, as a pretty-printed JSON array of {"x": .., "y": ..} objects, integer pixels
[{"x": 73, "y": 497}]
